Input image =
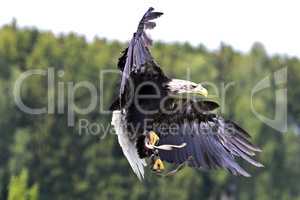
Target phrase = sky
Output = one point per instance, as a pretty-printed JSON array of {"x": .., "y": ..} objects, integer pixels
[{"x": 239, "y": 23}]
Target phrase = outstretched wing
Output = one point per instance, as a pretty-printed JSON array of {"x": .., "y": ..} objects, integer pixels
[
  {"x": 137, "y": 54},
  {"x": 211, "y": 142}
]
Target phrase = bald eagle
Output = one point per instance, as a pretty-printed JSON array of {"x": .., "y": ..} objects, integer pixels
[{"x": 159, "y": 119}]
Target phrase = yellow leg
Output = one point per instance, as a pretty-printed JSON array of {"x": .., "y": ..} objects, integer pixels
[
  {"x": 158, "y": 165},
  {"x": 153, "y": 138}
]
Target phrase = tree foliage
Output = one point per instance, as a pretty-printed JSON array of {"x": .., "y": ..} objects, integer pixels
[
  {"x": 69, "y": 164},
  {"x": 19, "y": 190}
]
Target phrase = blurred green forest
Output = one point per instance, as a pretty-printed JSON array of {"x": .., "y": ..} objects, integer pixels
[{"x": 42, "y": 158}]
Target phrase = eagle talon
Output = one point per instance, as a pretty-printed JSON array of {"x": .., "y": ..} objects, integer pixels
[
  {"x": 153, "y": 138},
  {"x": 158, "y": 165}
]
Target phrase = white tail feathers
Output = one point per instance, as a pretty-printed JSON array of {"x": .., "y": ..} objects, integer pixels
[{"x": 128, "y": 146}]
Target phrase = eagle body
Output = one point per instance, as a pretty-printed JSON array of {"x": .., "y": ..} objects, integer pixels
[{"x": 172, "y": 120}]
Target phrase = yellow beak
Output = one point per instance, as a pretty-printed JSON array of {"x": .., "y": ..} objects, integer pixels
[{"x": 202, "y": 91}]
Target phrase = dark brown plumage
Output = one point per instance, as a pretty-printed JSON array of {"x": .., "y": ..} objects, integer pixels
[{"x": 211, "y": 141}]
